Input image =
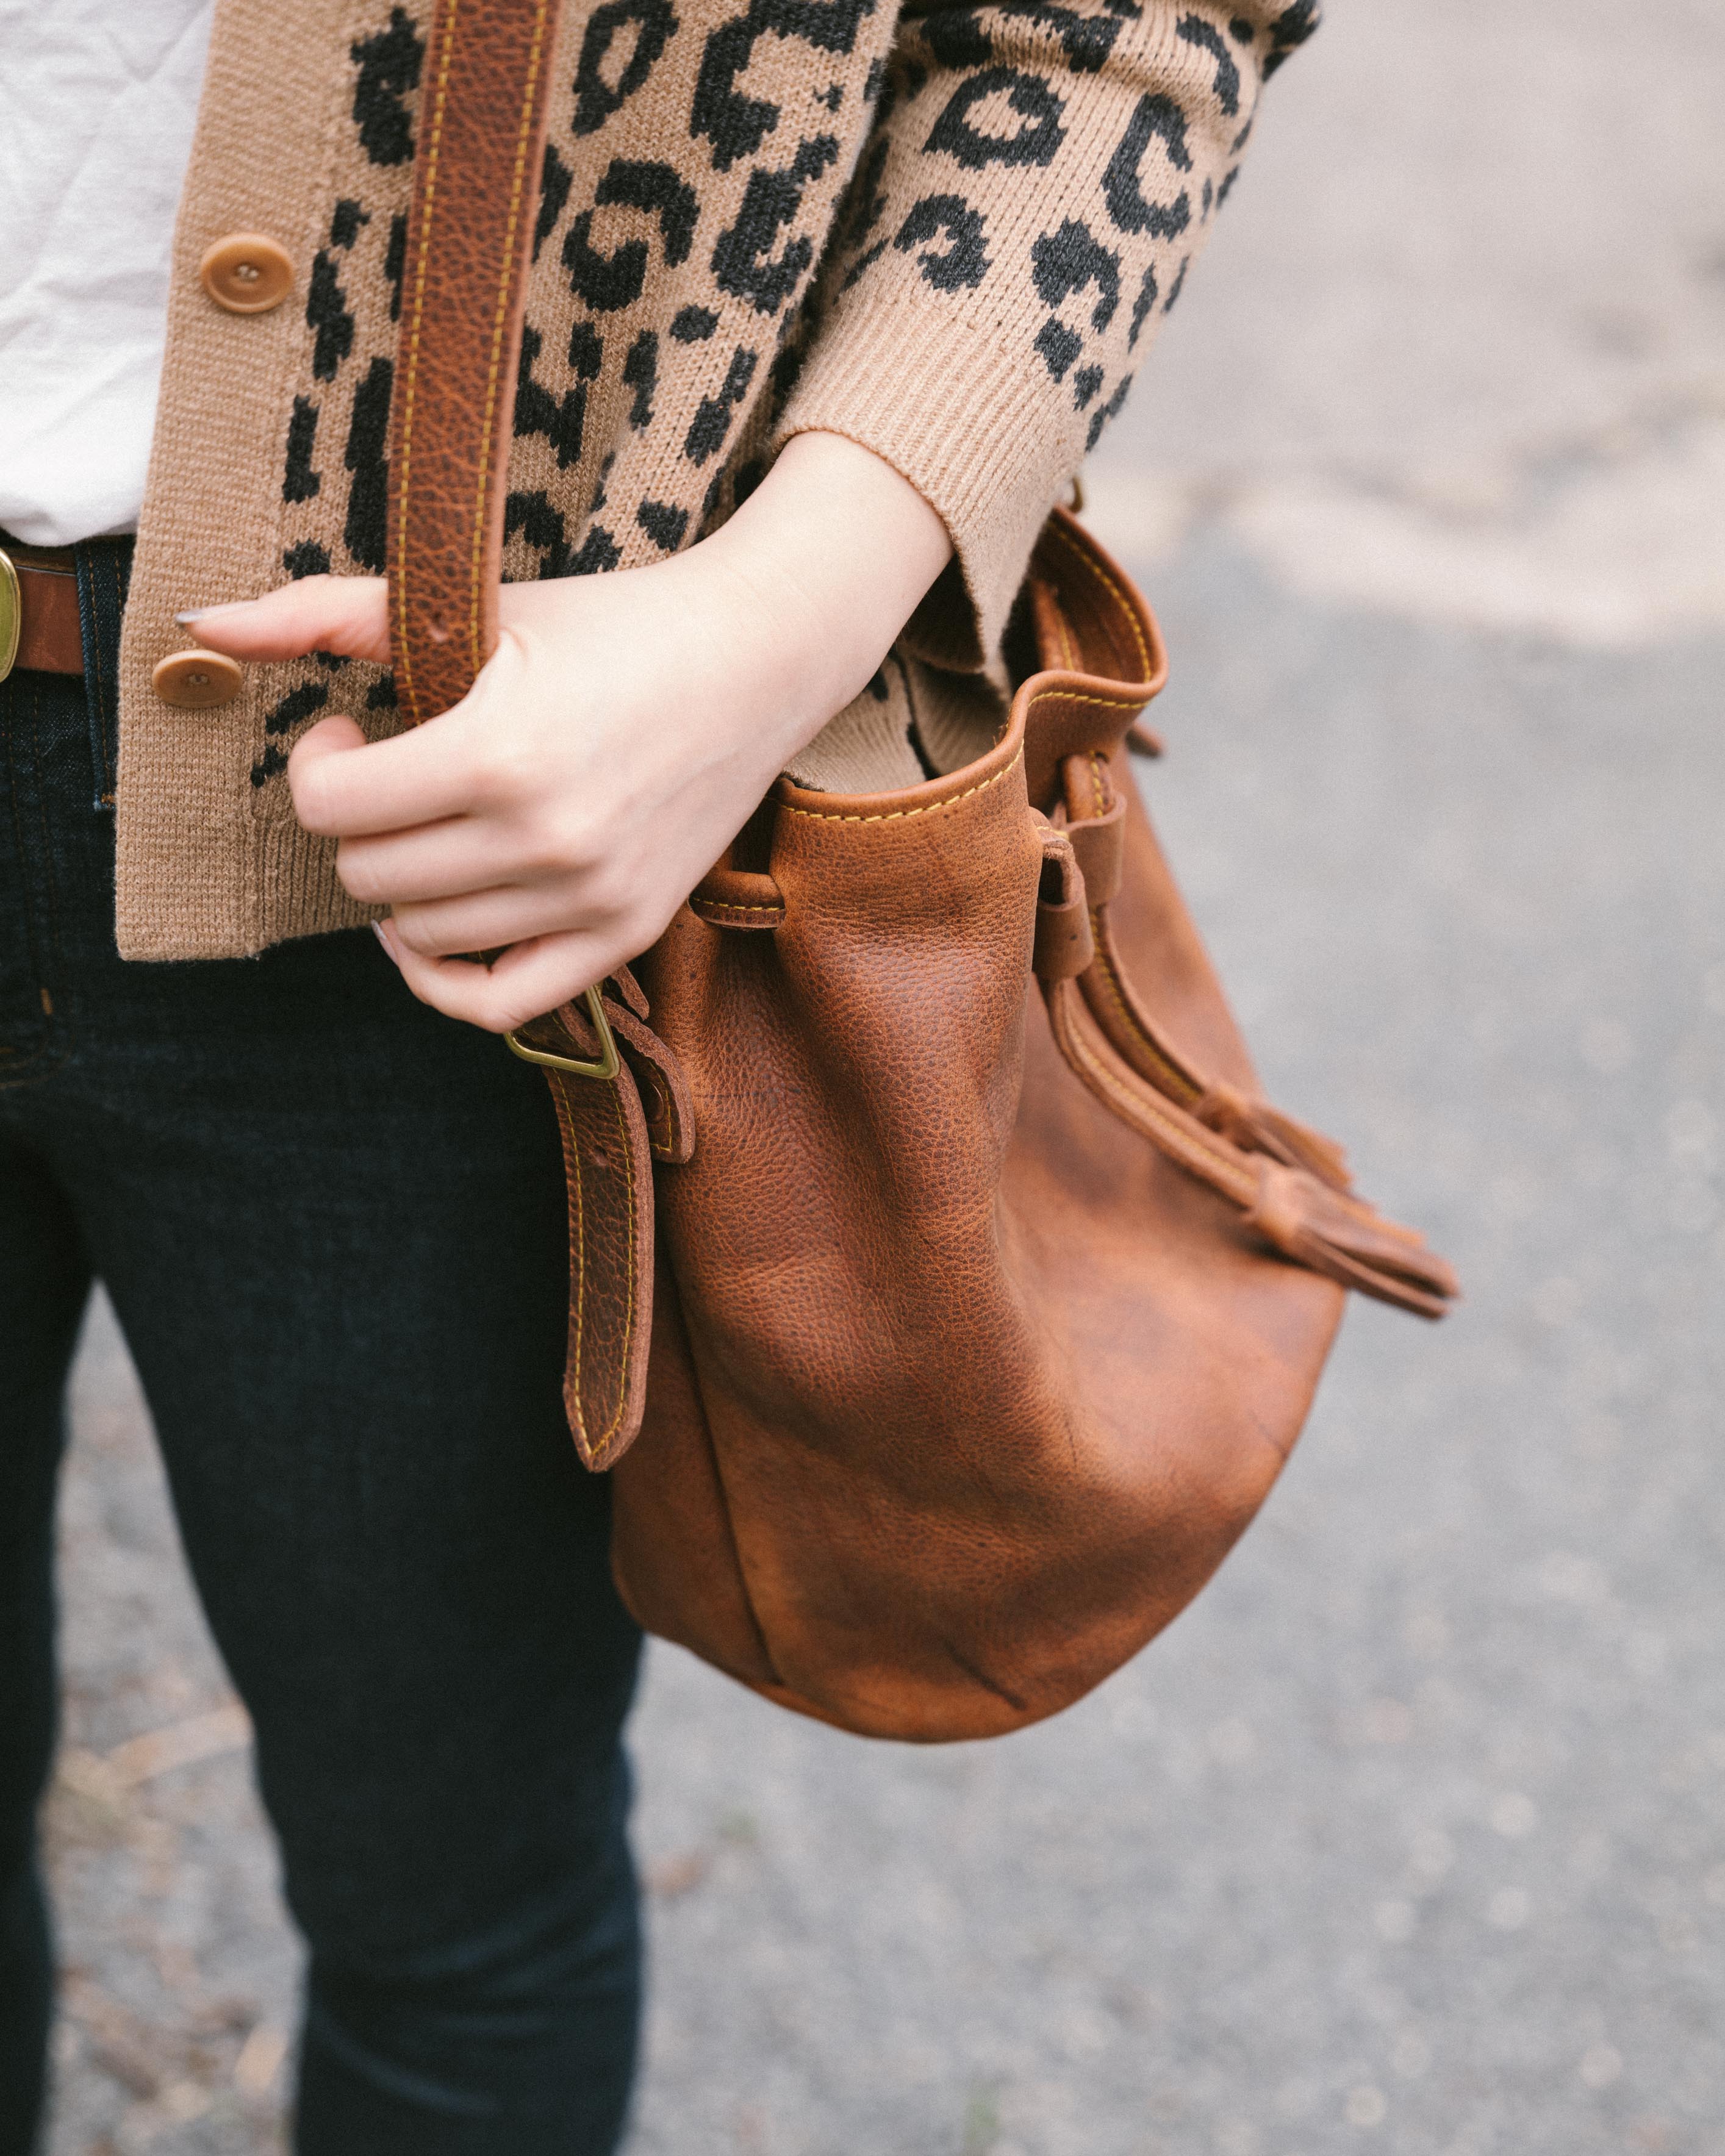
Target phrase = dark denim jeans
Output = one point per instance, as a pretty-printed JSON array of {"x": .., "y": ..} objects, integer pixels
[{"x": 332, "y": 1222}]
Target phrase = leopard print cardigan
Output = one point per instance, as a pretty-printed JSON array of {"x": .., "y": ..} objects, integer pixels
[{"x": 947, "y": 231}]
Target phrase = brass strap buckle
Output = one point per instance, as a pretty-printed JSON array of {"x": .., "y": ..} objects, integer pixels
[
  {"x": 608, "y": 1063},
  {"x": 12, "y": 614}
]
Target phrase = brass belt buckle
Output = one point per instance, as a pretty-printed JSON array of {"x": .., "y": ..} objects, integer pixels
[
  {"x": 12, "y": 614},
  {"x": 608, "y": 1064}
]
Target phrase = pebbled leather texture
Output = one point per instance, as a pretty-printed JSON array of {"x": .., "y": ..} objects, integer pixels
[
  {"x": 609, "y": 1143},
  {"x": 988, "y": 1345},
  {"x": 977, "y": 1296},
  {"x": 476, "y": 176}
]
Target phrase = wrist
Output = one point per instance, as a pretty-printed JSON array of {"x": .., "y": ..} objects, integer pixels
[{"x": 829, "y": 557}]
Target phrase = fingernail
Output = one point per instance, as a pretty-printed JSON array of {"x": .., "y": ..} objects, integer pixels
[
  {"x": 382, "y": 937},
  {"x": 199, "y": 614}
]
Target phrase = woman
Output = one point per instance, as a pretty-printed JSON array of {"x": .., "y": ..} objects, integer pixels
[{"x": 827, "y": 305}]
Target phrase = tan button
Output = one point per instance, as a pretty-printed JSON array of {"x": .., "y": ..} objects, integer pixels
[
  {"x": 198, "y": 680},
  {"x": 247, "y": 272}
]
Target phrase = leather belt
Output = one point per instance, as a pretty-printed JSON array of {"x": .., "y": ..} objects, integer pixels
[{"x": 39, "y": 624}]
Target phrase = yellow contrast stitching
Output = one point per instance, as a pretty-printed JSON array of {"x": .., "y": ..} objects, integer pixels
[
  {"x": 499, "y": 321},
  {"x": 1097, "y": 570},
  {"x": 604, "y": 1443},
  {"x": 1062, "y": 628},
  {"x": 1228, "y": 1174},
  {"x": 1127, "y": 1019},
  {"x": 578, "y": 1242},
  {"x": 428, "y": 201},
  {"x": 1069, "y": 697},
  {"x": 927, "y": 808},
  {"x": 898, "y": 815}
]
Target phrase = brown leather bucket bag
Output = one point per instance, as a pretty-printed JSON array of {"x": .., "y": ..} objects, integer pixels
[{"x": 944, "y": 1296}]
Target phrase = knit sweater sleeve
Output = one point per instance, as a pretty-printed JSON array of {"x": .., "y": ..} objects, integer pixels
[{"x": 1037, "y": 182}]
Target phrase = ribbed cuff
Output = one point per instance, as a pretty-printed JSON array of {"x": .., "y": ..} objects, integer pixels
[{"x": 939, "y": 399}]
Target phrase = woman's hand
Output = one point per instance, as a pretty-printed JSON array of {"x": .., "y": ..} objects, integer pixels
[{"x": 619, "y": 738}]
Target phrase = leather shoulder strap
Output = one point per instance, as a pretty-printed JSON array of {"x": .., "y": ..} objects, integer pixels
[
  {"x": 482, "y": 142},
  {"x": 476, "y": 173}
]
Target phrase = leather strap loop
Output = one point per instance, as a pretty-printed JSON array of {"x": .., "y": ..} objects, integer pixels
[
  {"x": 737, "y": 898},
  {"x": 611, "y": 1129},
  {"x": 1064, "y": 947},
  {"x": 659, "y": 1078},
  {"x": 1099, "y": 844},
  {"x": 1102, "y": 651},
  {"x": 608, "y": 1168}
]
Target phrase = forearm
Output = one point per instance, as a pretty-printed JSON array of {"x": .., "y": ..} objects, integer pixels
[{"x": 821, "y": 567}]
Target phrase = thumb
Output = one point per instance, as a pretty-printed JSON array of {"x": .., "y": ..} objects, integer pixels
[
  {"x": 334, "y": 736},
  {"x": 348, "y": 615}
]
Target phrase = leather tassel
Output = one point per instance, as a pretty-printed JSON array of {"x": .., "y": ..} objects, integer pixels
[{"x": 1306, "y": 1219}]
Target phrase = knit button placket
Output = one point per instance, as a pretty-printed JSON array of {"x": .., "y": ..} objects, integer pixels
[{"x": 247, "y": 272}]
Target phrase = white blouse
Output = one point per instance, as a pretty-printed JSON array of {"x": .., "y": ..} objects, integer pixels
[{"x": 97, "y": 102}]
